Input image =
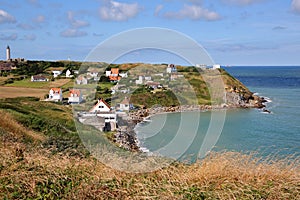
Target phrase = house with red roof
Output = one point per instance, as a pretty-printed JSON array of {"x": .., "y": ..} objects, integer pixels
[
  {"x": 114, "y": 75},
  {"x": 55, "y": 94},
  {"x": 75, "y": 96},
  {"x": 101, "y": 106}
]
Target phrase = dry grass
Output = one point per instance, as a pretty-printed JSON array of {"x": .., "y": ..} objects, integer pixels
[
  {"x": 13, "y": 92},
  {"x": 33, "y": 172},
  {"x": 219, "y": 176}
]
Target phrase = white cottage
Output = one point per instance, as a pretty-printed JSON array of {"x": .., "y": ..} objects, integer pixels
[
  {"x": 101, "y": 106},
  {"x": 75, "y": 96},
  {"x": 56, "y": 73},
  {"x": 125, "y": 105},
  {"x": 55, "y": 94}
]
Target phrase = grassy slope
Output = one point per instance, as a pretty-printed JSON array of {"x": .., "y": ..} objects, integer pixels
[{"x": 41, "y": 157}]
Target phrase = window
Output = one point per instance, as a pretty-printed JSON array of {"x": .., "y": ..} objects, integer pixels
[{"x": 101, "y": 106}]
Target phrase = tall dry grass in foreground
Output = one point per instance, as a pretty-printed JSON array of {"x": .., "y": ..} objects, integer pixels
[{"x": 39, "y": 175}]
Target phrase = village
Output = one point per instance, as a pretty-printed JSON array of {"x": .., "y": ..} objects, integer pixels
[{"x": 101, "y": 93}]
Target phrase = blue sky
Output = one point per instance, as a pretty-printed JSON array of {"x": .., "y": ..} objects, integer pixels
[{"x": 234, "y": 32}]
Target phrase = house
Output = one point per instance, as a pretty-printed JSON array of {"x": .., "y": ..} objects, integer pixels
[
  {"x": 107, "y": 73},
  {"x": 92, "y": 72},
  {"x": 103, "y": 109},
  {"x": 6, "y": 67},
  {"x": 125, "y": 105},
  {"x": 75, "y": 96},
  {"x": 68, "y": 74},
  {"x": 101, "y": 106},
  {"x": 38, "y": 78},
  {"x": 171, "y": 69},
  {"x": 114, "y": 75},
  {"x": 123, "y": 74},
  {"x": 81, "y": 80},
  {"x": 56, "y": 73},
  {"x": 216, "y": 66},
  {"x": 55, "y": 94},
  {"x": 114, "y": 72},
  {"x": 153, "y": 85},
  {"x": 148, "y": 78},
  {"x": 140, "y": 80}
]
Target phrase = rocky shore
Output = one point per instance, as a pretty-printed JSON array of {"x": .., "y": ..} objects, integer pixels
[{"x": 127, "y": 138}]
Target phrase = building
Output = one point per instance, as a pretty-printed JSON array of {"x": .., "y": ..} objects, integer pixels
[
  {"x": 153, "y": 85},
  {"x": 216, "y": 66},
  {"x": 171, "y": 69},
  {"x": 38, "y": 78},
  {"x": 81, "y": 80},
  {"x": 56, "y": 73},
  {"x": 55, "y": 94},
  {"x": 68, "y": 74},
  {"x": 8, "y": 53},
  {"x": 125, "y": 105},
  {"x": 140, "y": 80},
  {"x": 101, "y": 106},
  {"x": 103, "y": 109},
  {"x": 75, "y": 96}
]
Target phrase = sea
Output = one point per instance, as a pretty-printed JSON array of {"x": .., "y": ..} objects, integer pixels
[{"x": 189, "y": 136}]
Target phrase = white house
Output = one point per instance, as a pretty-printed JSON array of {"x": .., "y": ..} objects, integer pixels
[
  {"x": 140, "y": 80},
  {"x": 216, "y": 66},
  {"x": 102, "y": 109},
  {"x": 56, "y": 73},
  {"x": 107, "y": 73},
  {"x": 171, "y": 69},
  {"x": 38, "y": 78},
  {"x": 101, "y": 106},
  {"x": 123, "y": 74},
  {"x": 125, "y": 105},
  {"x": 75, "y": 96},
  {"x": 81, "y": 80},
  {"x": 55, "y": 94},
  {"x": 148, "y": 78},
  {"x": 68, "y": 74}
]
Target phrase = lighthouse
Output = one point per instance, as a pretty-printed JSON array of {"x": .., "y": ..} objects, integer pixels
[{"x": 7, "y": 53}]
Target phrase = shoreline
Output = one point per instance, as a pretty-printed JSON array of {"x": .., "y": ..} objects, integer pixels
[{"x": 128, "y": 138}]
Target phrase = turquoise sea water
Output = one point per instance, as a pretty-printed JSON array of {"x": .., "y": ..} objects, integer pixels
[{"x": 246, "y": 130}]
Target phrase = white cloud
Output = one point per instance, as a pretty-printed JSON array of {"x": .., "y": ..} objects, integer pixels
[
  {"x": 240, "y": 2},
  {"x": 158, "y": 9},
  {"x": 13, "y": 36},
  {"x": 30, "y": 37},
  {"x": 117, "y": 11},
  {"x": 39, "y": 19},
  {"x": 6, "y": 18},
  {"x": 194, "y": 12},
  {"x": 72, "y": 33},
  {"x": 25, "y": 26},
  {"x": 296, "y": 6},
  {"x": 75, "y": 23}
]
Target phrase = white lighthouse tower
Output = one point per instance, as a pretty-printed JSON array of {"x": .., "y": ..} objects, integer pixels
[{"x": 7, "y": 53}]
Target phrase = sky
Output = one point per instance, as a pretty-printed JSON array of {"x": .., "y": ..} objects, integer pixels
[{"x": 233, "y": 32}]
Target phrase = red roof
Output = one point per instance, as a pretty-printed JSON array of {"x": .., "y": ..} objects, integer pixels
[
  {"x": 114, "y": 70},
  {"x": 99, "y": 101},
  {"x": 56, "y": 90},
  {"x": 75, "y": 91},
  {"x": 114, "y": 78}
]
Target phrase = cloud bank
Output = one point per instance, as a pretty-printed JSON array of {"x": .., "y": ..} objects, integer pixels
[
  {"x": 194, "y": 12},
  {"x": 117, "y": 11}
]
